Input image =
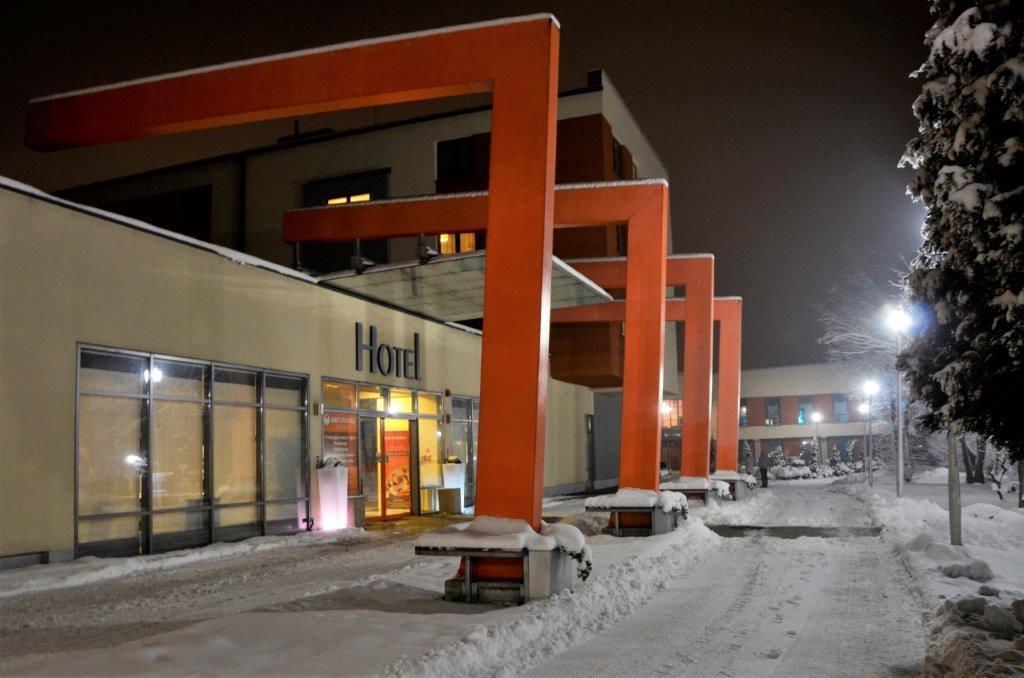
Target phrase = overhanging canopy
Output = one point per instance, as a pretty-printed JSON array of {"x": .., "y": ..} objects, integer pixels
[{"x": 450, "y": 287}]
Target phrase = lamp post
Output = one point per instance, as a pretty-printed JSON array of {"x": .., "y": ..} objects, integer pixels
[
  {"x": 898, "y": 321},
  {"x": 816, "y": 418},
  {"x": 871, "y": 389}
]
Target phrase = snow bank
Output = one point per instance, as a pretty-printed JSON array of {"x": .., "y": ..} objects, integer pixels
[
  {"x": 935, "y": 476},
  {"x": 91, "y": 570},
  {"x": 549, "y": 627},
  {"x": 970, "y": 589},
  {"x": 720, "y": 487},
  {"x": 488, "y": 533},
  {"x": 631, "y": 497}
]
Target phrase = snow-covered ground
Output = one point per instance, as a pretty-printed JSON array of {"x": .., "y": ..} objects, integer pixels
[
  {"x": 968, "y": 589},
  {"x": 355, "y": 603}
]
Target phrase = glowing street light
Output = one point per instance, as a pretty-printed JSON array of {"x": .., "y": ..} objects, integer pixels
[
  {"x": 863, "y": 408},
  {"x": 899, "y": 322}
]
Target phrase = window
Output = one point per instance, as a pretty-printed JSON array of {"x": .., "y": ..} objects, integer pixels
[
  {"x": 174, "y": 453},
  {"x": 804, "y": 409},
  {"x": 454, "y": 243},
  {"x": 743, "y": 412},
  {"x": 671, "y": 413},
  {"x": 840, "y": 408},
  {"x": 465, "y": 427},
  {"x": 327, "y": 257},
  {"x": 771, "y": 411},
  {"x": 463, "y": 164}
]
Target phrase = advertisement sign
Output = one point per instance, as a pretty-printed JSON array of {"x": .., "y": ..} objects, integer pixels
[
  {"x": 398, "y": 483},
  {"x": 340, "y": 444}
]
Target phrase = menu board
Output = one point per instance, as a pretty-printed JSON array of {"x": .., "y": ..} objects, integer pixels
[
  {"x": 340, "y": 444},
  {"x": 396, "y": 469}
]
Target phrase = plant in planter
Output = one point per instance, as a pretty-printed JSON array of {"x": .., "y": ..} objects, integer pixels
[{"x": 454, "y": 472}]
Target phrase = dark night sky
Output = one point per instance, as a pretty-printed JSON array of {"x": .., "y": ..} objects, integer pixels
[{"x": 780, "y": 121}]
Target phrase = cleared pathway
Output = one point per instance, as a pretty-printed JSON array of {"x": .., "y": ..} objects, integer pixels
[{"x": 810, "y": 606}]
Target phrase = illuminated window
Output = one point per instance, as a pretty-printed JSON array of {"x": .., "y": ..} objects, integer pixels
[
  {"x": 452, "y": 243},
  {"x": 344, "y": 199},
  {"x": 671, "y": 413},
  {"x": 744, "y": 421}
]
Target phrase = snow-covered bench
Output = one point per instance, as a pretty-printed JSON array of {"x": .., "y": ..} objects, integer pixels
[
  {"x": 740, "y": 484},
  {"x": 663, "y": 510},
  {"x": 699, "y": 488},
  {"x": 547, "y": 558}
]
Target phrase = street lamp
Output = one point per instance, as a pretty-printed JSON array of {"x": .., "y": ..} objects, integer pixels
[
  {"x": 816, "y": 418},
  {"x": 899, "y": 322},
  {"x": 871, "y": 389}
]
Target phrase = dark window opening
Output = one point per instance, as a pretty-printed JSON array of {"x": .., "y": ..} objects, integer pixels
[{"x": 327, "y": 257}]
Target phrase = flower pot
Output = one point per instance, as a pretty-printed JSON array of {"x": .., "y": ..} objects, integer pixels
[{"x": 454, "y": 475}]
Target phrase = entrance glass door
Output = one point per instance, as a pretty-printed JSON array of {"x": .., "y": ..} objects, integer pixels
[{"x": 386, "y": 466}]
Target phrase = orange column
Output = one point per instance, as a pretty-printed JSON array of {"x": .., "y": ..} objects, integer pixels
[
  {"x": 697, "y": 363},
  {"x": 729, "y": 314},
  {"x": 643, "y": 368},
  {"x": 517, "y": 285}
]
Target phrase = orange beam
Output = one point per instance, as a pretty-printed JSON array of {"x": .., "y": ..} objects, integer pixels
[
  {"x": 575, "y": 205},
  {"x": 728, "y": 313},
  {"x": 695, "y": 272},
  {"x": 642, "y": 205},
  {"x": 517, "y": 61}
]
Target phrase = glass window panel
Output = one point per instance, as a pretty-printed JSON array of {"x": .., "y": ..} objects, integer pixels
[
  {"x": 400, "y": 401},
  {"x": 283, "y": 456},
  {"x": 172, "y": 379},
  {"x": 179, "y": 469},
  {"x": 234, "y": 453},
  {"x": 285, "y": 517},
  {"x": 340, "y": 394},
  {"x": 462, "y": 440},
  {"x": 237, "y": 515},
  {"x": 180, "y": 530},
  {"x": 111, "y": 454},
  {"x": 467, "y": 242},
  {"x": 127, "y": 529},
  {"x": 113, "y": 373},
  {"x": 281, "y": 390},
  {"x": 371, "y": 398},
  {"x": 429, "y": 404},
  {"x": 369, "y": 464},
  {"x": 341, "y": 443},
  {"x": 237, "y": 385},
  {"x": 462, "y": 408},
  {"x": 430, "y": 453}
]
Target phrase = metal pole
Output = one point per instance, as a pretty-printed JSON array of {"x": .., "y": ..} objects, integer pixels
[
  {"x": 871, "y": 451},
  {"x": 899, "y": 421},
  {"x": 954, "y": 490}
]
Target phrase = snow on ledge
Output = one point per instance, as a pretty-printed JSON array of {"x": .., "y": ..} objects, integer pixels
[
  {"x": 490, "y": 533},
  {"x": 632, "y": 497},
  {"x": 720, "y": 487},
  {"x": 307, "y": 52}
]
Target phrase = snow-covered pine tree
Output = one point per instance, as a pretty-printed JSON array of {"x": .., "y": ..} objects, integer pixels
[{"x": 966, "y": 362}]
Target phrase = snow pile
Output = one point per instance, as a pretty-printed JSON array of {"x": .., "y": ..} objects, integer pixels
[
  {"x": 631, "y": 497},
  {"x": 720, "y": 487},
  {"x": 935, "y": 476},
  {"x": 90, "y": 570},
  {"x": 549, "y": 627},
  {"x": 975, "y": 591},
  {"x": 488, "y": 533},
  {"x": 750, "y": 481}
]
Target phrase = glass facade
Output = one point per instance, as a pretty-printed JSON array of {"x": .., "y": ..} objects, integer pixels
[
  {"x": 173, "y": 453},
  {"x": 391, "y": 439},
  {"x": 465, "y": 418}
]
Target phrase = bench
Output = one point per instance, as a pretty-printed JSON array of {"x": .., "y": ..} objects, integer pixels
[
  {"x": 468, "y": 556},
  {"x": 660, "y": 521}
]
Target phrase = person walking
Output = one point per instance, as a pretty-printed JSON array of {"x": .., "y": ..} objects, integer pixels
[{"x": 762, "y": 466}]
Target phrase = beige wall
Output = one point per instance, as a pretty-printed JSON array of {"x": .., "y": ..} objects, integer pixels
[
  {"x": 793, "y": 380},
  {"x": 67, "y": 277},
  {"x": 565, "y": 458}
]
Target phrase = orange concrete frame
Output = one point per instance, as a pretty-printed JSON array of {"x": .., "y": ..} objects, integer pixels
[
  {"x": 728, "y": 312},
  {"x": 517, "y": 61},
  {"x": 643, "y": 205},
  {"x": 697, "y": 273}
]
